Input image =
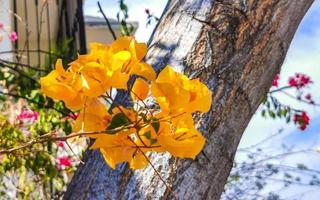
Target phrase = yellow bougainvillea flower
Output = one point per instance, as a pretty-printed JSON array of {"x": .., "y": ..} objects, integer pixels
[
  {"x": 92, "y": 76},
  {"x": 53, "y": 84},
  {"x": 70, "y": 86},
  {"x": 93, "y": 118},
  {"x": 181, "y": 139},
  {"x": 120, "y": 148},
  {"x": 147, "y": 136},
  {"x": 139, "y": 161},
  {"x": 200, "y": 97},
  {"x": 174, "y": 93},
  {"x": 130, "y": 58},
  {"x": 139, "y": 90},
  {"x": 129, "y": 134}
]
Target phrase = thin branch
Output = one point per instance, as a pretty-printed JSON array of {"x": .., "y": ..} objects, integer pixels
[
  {"x": 77, "y": 156},
  {"x": 3, "y": 64},
  {"x": 47, "y": 138},
  {"x": 280, "y": 89},
  {"x": 298, "y": 99},
  {"x": 108, "y": 23},
  {"x": 155, "y": 170},
  {"x": 33, "y": 101},
  {"x": 23, "y": 65},
  {"x": 32, "y": 51}
]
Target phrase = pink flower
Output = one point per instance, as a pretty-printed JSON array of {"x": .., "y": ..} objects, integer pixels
[
  {"x": 63, "y": 162},
  {"x": 275, "y": 81},
  {"x": 299, "y": 80},
  {"x": 13, "y": 36},
  {"x": 1, "y": 25},
  {"x": 60, "y": 144},
  {"x": 28, "y": 115},
  {"x": 302, "y": 120}
]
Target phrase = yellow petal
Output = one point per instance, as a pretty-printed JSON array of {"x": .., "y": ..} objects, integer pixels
[
  {"x": 55, "y": 89},
  {"x": 120, "y": 59},
  {"x": 89, "y": 123},
  {"x": 122, "y": 43},
  {"x": 138, "y": 50},
  {"x": 183, "y": 144},
  {"x": 94, "y": 117},
  {"x": 113, "y": 156},
  {"x": 59, "y": 67},
  {"x": 170, "y": 97},
  {"x": 139, "y": 90},
  {"x": 77, "y": 102},
  {"x": 201, "y": 97},
  {"x": 119, "y": 80},
  {"x": 144, "y": 70},
  {"x": 106, "y": 140},
  {"x": 139, "y": 161}
]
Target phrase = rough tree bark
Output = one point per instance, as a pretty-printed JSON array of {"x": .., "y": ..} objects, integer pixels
[{"x": 236, "y": 47}]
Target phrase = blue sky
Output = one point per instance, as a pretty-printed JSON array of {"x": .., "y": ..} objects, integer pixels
[{"x": 303, "y": 56}]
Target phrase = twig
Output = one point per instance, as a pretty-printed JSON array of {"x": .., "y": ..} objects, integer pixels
[
  {"x": 32, "y": 51},
  {"x": 70, "y": 148},
  {"x": 301, "y": 100},
  {"x": 3, "y": 64},
  {"x": 23, "y": 65},
  {"x": 280, "y": 89},
  {"x": 32, "y": 101},
  {"x": 47, "y": 138},
  {"x": 155, "y": 170},
  {"x": 108, "y": 23}
]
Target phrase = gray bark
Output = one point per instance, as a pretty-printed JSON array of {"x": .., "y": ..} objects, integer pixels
[{"x": 236, "y": 47}]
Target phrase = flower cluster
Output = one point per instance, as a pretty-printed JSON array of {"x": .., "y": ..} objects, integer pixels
[
  {"x": 302, "y": 120},
  {"x": 28, "y": 115},
  {"x": 299, "y": 80},
  {"x": 128, "y": 134},
  {"x": 63, "y": 162}
]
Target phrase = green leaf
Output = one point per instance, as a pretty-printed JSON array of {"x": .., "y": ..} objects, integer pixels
[
  {"x": 147, "y": 135},
  {"x": 118, "y": 120},
  {"x": 153, "y": 141},
  {"x": 284, "y": 112},
  {"x": 156, "y": 125},
  {"x": 272, "y": 114}
]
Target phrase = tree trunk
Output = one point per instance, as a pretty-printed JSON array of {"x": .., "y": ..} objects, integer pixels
[{"x": 236, "y": 47}]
